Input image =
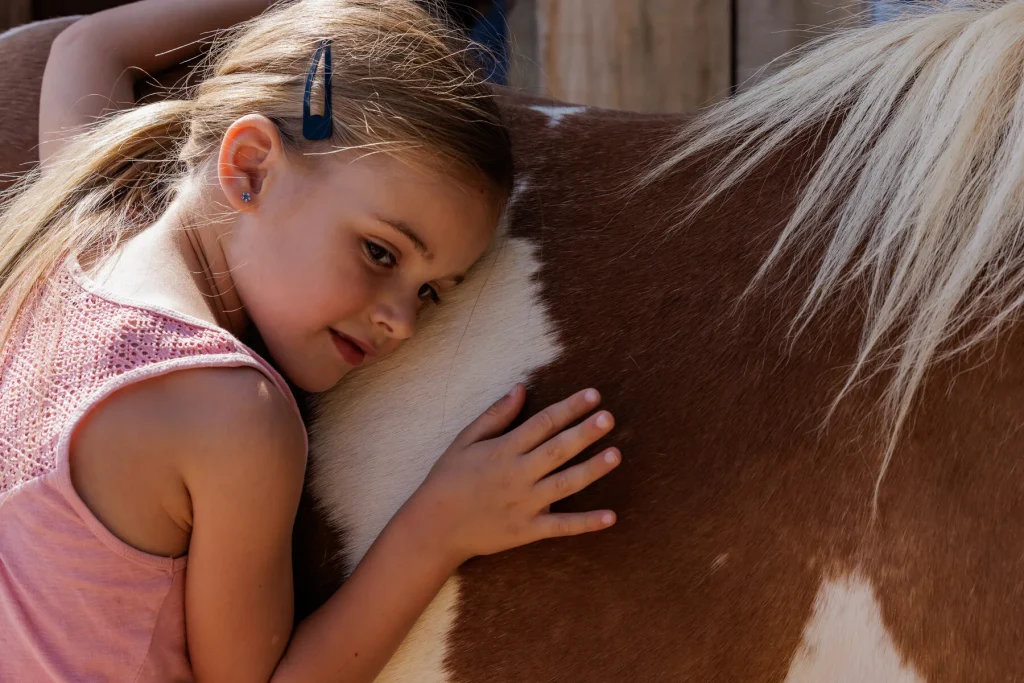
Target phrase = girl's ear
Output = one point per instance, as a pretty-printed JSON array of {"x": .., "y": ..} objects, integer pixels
[{"x": 250, "y": 150}]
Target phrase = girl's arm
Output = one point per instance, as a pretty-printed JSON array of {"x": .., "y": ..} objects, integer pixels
[
  {"x": 488, "y": 492},
  {"x": 94, "y": 64}
]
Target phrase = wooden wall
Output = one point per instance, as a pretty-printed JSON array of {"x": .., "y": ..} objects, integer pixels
[
  {"x": 766, "y": 29},
  {"x": 653, "y": 55},
  {"x": 14, "y": 13},
  {"x": 657, "y": 55},
  {"x": 644, "y": 55}
]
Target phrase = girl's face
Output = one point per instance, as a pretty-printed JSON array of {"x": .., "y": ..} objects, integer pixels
[{"x": 333, "y": 260}]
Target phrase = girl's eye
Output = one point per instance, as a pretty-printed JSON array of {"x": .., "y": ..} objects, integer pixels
[
  {"x": 384, "y": 258},
  {"x": 380, "y": 255},
  {"x": 429, "y": 293}
]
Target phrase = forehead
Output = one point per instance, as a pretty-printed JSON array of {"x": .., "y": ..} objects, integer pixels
[{"x": 447, "y": 213}]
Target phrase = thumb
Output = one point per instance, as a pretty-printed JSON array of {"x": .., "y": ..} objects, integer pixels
[{"x": 495, "y": 419}]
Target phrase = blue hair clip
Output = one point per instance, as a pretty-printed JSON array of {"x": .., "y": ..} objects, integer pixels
[{"x": 316, "y": 126}]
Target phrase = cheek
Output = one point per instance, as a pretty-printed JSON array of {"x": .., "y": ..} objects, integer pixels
[
  {"x": 299, "y": 288},
  {"x": 344, "y": 290},
  {"x": 355, "y": 290},
  {"x": 390, "y": 346}
]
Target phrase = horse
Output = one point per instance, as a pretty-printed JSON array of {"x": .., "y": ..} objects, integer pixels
[{"x": 821, "y": 443}]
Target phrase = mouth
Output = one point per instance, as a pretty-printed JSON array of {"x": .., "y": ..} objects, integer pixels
[{"x": 353, "y": 351}]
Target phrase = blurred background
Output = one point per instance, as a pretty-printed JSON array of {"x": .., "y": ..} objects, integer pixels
[{"x": 642, "y": 55}]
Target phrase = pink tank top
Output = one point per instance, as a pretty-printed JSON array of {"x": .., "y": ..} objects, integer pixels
[{"x": 76, "y": 603}]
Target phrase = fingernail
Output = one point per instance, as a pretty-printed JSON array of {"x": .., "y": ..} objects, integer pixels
[
  {"x": 611, "y": 458},
  {"x": 604, "y": 421},
  {"x": 607, "y": 518},
  {"x": 590, "y": 395}
]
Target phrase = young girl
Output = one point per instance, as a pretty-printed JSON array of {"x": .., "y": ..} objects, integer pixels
[{"x": 136, "y": 427}]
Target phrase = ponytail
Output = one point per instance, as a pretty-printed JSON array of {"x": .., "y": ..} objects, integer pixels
[{"x": 108, "y": 182}]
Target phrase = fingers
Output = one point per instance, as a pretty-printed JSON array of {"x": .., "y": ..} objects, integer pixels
[
  {"x": 574, "y": 523},
  {"x": 576, "y": 478},
  {"x": 552, "y": 420},
  {"x": 495, "y": 419},
  {"x": 565, "y": 446}
]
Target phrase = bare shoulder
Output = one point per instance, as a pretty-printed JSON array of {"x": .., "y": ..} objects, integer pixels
[
  {"x": 147, "y": 458},
  {"x": 219, "y": 413}
]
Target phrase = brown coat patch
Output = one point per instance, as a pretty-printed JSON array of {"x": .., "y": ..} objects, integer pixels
[{"x": 734, "y": 505}]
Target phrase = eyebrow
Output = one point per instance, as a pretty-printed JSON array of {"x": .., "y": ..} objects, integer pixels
[
  {"x": 404, "y": 228},
  {"x": 421, "y": 247}
]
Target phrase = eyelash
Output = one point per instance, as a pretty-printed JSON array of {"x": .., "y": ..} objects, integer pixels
[{"x": 376, "y": 252}]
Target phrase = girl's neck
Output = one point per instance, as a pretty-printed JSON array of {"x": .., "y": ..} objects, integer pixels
[
  {"x": 199, "y": 244},
  {"x": 179, "y": 262}
]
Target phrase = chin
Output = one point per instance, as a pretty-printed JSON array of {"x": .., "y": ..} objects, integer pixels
[
  {"x": 314, "y": 378},
  {"x": 319, "y": 382}
]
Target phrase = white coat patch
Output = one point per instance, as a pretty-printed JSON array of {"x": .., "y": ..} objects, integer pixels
[
  {"x": 846, "y": 640},
  {"x": 556, "y": 114},
  {"x": 375, "y": 437}
]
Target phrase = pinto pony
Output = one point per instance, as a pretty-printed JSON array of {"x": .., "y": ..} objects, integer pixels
[{"x": 802, "y": 307}]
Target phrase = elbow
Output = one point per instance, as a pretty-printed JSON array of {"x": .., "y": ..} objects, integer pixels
[
  {"x": 72, "y": 37},
  {"x": 83, "y": 38}
]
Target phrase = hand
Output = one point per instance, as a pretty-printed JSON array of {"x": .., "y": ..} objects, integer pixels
[{"x": 489, "y": 492}]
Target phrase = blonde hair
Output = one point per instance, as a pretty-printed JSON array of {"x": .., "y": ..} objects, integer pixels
[
  {"x": 919, "y": 192},
  {"x": 404, "y": 83}
]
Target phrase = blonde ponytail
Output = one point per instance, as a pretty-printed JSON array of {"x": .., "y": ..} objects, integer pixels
[{"x": 107, "y": 183}]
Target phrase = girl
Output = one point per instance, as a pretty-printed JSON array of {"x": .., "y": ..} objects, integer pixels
[{"x": 138, "y": 428}]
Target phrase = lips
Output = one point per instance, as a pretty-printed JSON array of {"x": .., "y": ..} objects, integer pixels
[{"x": 352, "y": 350}]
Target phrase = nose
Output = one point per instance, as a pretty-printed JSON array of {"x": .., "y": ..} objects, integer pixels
[{"x": 396, "y": 319}]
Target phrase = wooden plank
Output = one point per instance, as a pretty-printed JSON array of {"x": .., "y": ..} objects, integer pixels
[
  {"x": 524, "y": 64},
  {"x": 766, "y": 29},
  {"x": 15, "y": 13},
  {"x": 642, "y": 55},
  {"x": 47, "y": 9}
]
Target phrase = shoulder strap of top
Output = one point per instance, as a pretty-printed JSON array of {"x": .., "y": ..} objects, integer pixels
[{"x": 210, "y": 339}]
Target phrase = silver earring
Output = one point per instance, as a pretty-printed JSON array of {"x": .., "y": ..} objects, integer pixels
[{"x": 245, "y": 197}]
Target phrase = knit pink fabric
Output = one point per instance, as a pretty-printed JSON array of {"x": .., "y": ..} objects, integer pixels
[{"x": 76, "y": 603}]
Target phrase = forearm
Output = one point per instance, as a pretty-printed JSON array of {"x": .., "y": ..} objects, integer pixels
[
  {"x": 352, "y": 637},
  {"x": 80, "y": 83},
  {"x": 94, "y": 64}
]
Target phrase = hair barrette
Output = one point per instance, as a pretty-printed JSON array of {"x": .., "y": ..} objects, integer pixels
[{"x": 317, "y": 126}]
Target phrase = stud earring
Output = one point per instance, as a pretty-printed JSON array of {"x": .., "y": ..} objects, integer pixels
[{"x": 246, "y": 198}]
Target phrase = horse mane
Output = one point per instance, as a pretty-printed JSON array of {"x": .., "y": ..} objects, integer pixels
[{"x": 918, "y": 198}]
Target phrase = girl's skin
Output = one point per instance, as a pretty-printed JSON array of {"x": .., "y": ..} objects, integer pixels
[{"x": 210, "y": 462}]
